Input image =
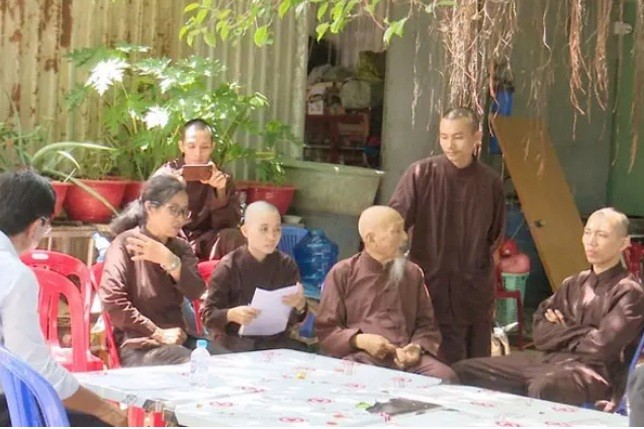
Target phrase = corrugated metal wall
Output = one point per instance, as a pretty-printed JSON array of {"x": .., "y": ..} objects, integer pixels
[
  {"x": 360, "y": 34},
  {"x": 35, "y": 35}
]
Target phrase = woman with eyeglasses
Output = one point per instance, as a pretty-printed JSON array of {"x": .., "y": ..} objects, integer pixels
[{"x": 147, "y": 273}]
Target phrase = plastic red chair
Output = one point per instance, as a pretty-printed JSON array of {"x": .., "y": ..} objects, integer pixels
[
  {"x": 136, "y": 415},
  {"x": 69, "y": 267},
  {"x": 633, "y": 257},
  {"x": 501, "y": 292},
  {"x": 112, "y": 347},
  {"x": 52, "y": 286},
  {"x": 205, "y": 270}
]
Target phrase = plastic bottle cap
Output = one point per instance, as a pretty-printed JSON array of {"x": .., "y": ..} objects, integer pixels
[{"x": 202, "y": 344}]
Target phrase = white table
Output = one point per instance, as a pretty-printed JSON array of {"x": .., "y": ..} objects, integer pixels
[
  {"x": 286, "y": 388},
  {"x": 291, "y": 373}
]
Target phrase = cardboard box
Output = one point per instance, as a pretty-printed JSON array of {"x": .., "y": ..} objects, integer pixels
[{"x": 316, "y": 98}]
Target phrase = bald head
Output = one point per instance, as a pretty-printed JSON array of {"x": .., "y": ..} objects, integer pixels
[
  {"x": 605, "y": 238},
  {"x": 376, "y": 218},
  {"x": 262, "y": 228},
  {"x": 613, "y": 218},
  {"x": 258, "y": 210}
]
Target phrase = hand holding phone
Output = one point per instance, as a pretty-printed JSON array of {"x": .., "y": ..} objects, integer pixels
[{"x": 217, "y": 179}]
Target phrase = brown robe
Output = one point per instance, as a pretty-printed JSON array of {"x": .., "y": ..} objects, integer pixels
[
  {"x": 584, "y": 360},
  {"x": 359, "y": 298},
  {"x": 212, "y": 230},
  {"x": 140, "y": 296},
  {"x": 233, "y": 283},
  {"x": 455, "y": 218}
]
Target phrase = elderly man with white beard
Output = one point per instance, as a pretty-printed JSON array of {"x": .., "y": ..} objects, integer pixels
[{"x": 375, "y": 308}]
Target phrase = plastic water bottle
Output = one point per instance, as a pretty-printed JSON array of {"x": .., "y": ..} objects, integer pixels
[
  {"x": 101, "y": 243},
  {"x": 315, "y": 255},
  {"x": 199, "y": 364}
]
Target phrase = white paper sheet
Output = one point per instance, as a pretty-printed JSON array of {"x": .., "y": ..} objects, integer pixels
[{"x": 273, "y": 315}]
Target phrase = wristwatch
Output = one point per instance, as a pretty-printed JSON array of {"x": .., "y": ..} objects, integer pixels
[
  {"x": 176, "y": 261},
  {"x": 303, "y": 310}
]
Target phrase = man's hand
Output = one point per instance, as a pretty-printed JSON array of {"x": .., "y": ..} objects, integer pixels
[
  {"x": 297, "y": 300},
  {"x": 555, "y": 316},
  {"x": 407, "y": 356},
  {"x": 376, "y": 346},
  {"x": 242, "y": 315},
  {"x": 145, "y": 248},
  {"x": 170, "y": 336},
  {"x": 606, "y": 406},
  {"x": 218, "y": 179},
  {"x": 113, "y": 416}
]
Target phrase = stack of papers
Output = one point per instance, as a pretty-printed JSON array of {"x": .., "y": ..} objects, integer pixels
[{"x": 274, "y": 314}]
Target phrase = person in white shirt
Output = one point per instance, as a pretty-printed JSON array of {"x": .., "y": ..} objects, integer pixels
[{"x": 26, "y": 205}]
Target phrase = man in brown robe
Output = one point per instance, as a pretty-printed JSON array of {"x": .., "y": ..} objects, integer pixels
[
  {"x": 375, "y": 308},
  {"x": 587, "y": 330},
  {"x": 453, "y": 207},
  {"x": 212, "y": 229},
  {"x": 256, "y": 265}
]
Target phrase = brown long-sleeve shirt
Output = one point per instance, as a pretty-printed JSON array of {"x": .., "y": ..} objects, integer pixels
[
  {"x": 210, "y": 212},
  {"x": 604, "y": 317},
  {"x": 359, "y": 298},
  {"x": 140, "y": 296},
  {"x": 456, "y": 218},
  {"x": 233, "y": 283}
]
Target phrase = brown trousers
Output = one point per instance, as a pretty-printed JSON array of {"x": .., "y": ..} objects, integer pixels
[
  {"x": 566, "y": 381},
  {"x": 428, "y": 366},
  {"x": 465, "y": 342}
]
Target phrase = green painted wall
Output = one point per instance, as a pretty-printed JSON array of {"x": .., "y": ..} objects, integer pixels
[{"x": 626, "y": 188}]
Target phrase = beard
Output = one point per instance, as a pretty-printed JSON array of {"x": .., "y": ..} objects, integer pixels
[{"x": 397, "y": 270}]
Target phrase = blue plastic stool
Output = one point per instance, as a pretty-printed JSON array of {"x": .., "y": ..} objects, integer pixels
[
  {"x": 291, "y": 235},
  {"x": 32, "y": 401},
  {"x": 308, "y": 326}
]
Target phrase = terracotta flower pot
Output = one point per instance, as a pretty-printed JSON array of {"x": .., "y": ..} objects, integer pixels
[
  {"x": 280, "y": 196},
  {"x": 83, "y": 206},
  {"x": 61, "y": 189},
  {"x": 132, "y": 192}
]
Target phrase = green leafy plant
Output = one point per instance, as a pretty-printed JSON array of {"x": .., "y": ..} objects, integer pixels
[
  {"x": 144, "y": 101},
  {"x": 268, "y": 159},
  {"x": 213, "y": 20},
  {"x": 22, "y": 150}
]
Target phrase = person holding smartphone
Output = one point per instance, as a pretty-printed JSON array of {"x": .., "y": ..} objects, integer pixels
[{"x": 212, "y": 229}]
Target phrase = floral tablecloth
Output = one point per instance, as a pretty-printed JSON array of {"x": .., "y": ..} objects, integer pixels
[{"x": 290, "y": 388}]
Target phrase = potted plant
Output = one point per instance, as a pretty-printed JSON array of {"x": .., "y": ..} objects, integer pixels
[
  {"x": 144, "y": 101},
  {"x": 21, "y": 150},
  {"x": 269, "y": 169}
]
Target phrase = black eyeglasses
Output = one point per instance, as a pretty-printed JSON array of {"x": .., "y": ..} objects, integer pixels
[{"x": 174, "y": 210}]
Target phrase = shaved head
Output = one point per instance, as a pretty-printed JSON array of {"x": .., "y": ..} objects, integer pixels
[
  {"x": 262, "y": 228},
  {"x": 463, "y": 113},
  {"x": 257, "y": 210},
  {"x": 616, "y": 219},
  {"x": 605, "y": 238},
  {"x": 375, "y": 218},
  {"x": 383, "y": 232}
]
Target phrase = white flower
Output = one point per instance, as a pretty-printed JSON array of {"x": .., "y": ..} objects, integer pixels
[
  {"x": 156, "y": 117},
  {"x": 105, "y": 73}
]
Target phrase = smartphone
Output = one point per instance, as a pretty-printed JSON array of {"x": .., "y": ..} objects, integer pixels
[{"x": 196, "y": 172}]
